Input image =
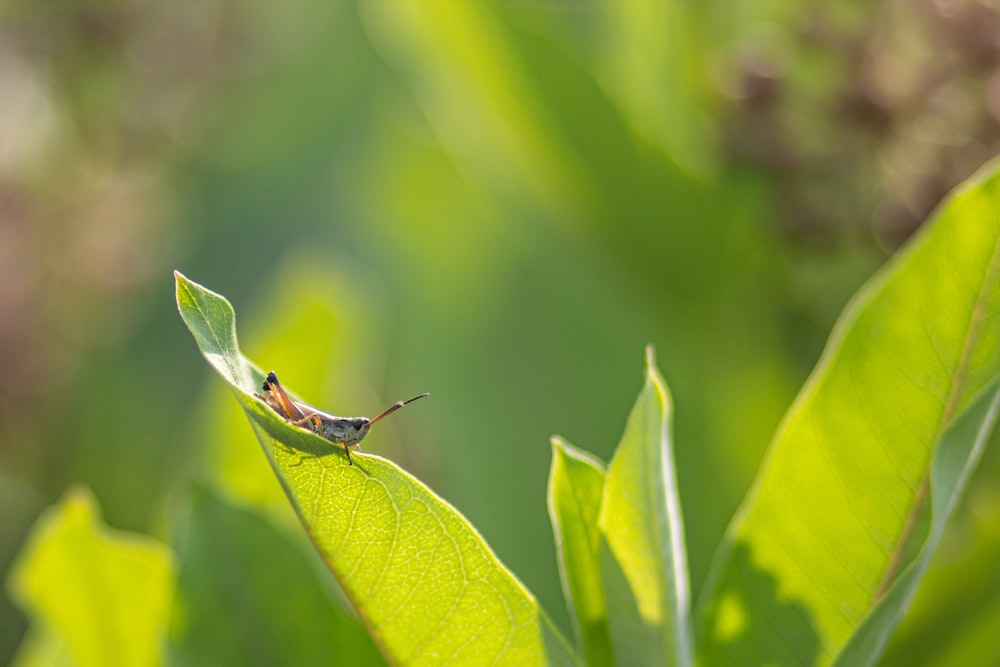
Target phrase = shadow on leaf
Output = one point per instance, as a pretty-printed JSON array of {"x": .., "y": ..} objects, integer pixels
[{"x": 744, "y": 611}]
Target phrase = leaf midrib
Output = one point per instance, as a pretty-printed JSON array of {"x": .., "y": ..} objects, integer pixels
[{"x": 947, "y": 416}]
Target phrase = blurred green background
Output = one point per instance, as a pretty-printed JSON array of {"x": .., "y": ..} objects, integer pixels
[{"x": 500, "y": 204}]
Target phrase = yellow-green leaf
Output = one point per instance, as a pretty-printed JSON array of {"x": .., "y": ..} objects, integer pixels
[
  {"x": 643, "y": 558},
  {"x": 576, "y": 485},
  {"x": 424, "y": 583},
  {"x": 96, "y": 596},
  {"x": 845, "y": 506}
]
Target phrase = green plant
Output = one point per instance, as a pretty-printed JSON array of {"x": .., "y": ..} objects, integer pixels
[{"x": 817, "y": 567}]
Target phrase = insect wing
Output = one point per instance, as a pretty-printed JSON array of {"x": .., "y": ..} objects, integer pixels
[{"x": 282, "y": 403}]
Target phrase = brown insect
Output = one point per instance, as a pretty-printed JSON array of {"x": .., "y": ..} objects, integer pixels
[{"x": 347, "y": 430}]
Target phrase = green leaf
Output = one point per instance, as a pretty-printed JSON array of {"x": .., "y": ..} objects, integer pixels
[
  {"x": 246, "y": 595},
  {"x": 333, "y": 333},
  {"x": 956, "y": 457},
  {"x": 423, "y": 582},
  {"x": 643, "y": 558},
  {"x": 211, "y": 320},
  {"x": 576, "y": 485},
  {"x": 96, "y": 596},
  {"x": 842, "y": 514},
  {"x": 956, "y": 609}
]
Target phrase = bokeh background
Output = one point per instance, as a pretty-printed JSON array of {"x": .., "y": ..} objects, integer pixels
[{"x": 500, "y": 204}]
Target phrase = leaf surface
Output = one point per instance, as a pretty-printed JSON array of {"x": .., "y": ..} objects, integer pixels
[
  {"x": 422, "y": 580},
  {"x": 956, "y": 457},
  {"x": 97, "y": 596},
  {"x": 842, "y": 513},
  {"x": 643, "y": 558},
  {"x": 576, "y": 485}
]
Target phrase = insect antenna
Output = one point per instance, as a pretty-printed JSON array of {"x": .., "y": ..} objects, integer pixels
[{"x": 395, "y": 407}]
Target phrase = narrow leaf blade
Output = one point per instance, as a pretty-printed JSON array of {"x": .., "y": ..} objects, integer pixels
[
  {"x": 840, "y": 508},
  {"x": 576, "y": 485},
  {"x": 643, "y": 557},
  {"x": 423, "y": 581}
]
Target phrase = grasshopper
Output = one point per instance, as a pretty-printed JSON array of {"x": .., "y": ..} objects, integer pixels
[{"x": 347, "y": 430}]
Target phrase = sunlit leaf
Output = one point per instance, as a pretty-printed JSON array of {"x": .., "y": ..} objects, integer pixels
[
  {"x": 96, "y": 596},
  {"x": 833, "y": 537},
  {"x": 576, "y": 485},
  {"x": 958, "y": 452},
  {"x": 422, "y": 580},
  {"x": 644, "y": 562},
  {"x": 321, "y": 339}
]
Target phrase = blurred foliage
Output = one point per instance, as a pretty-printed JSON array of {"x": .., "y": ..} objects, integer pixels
[
  {"x": 516, "y": 197},
  {"x": 233, "y": 561},
  {"x": 97, "y": 596},
  {"x": 865, "y": 113}
]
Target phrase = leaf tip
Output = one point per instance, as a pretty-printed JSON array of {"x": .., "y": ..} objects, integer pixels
[
  {"x": 654, "y": 379},
  {"x": 652, "y": 372},
  {"x": 182, "y": 285}
]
